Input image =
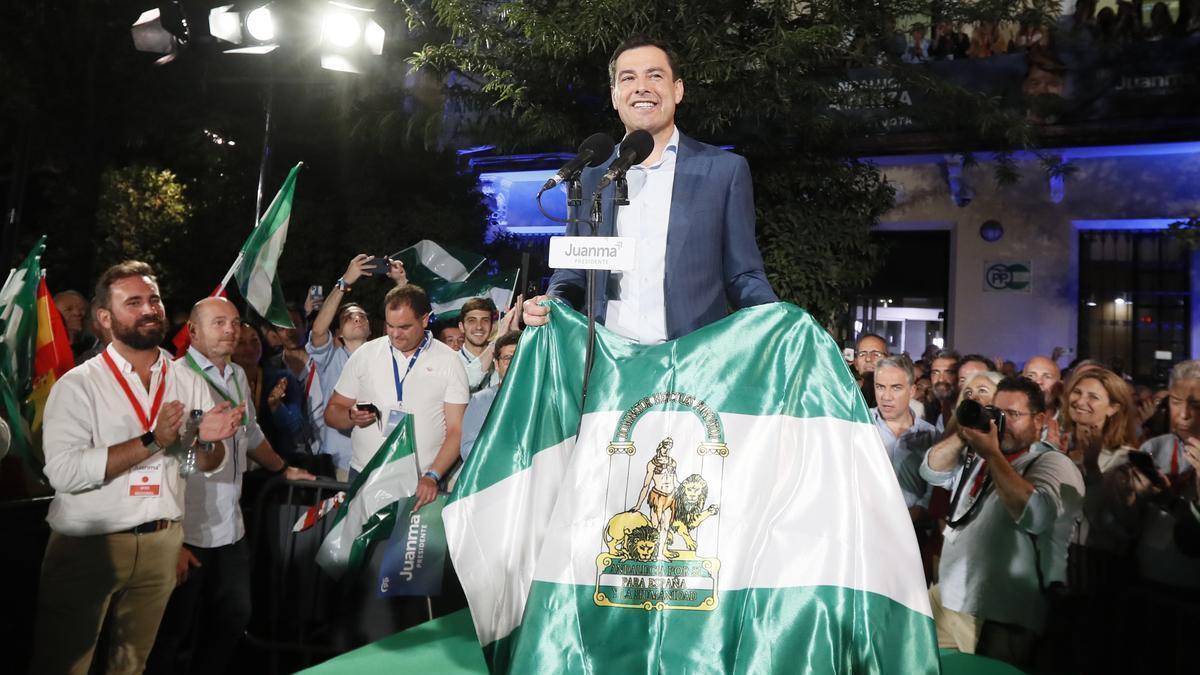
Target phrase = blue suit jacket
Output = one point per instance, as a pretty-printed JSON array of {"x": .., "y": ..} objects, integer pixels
[{"x": 713, "y": 264}]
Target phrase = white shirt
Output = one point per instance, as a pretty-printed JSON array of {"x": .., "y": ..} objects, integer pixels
[
  {"x": 637, "y": 310},
  {"x": 476, "y": 379},
  {"x": 88, "y": 412},
  {"x": 213, "y": 516},
  {"x": 987, "y": 566},
  {"x": 438, "y": 378}
]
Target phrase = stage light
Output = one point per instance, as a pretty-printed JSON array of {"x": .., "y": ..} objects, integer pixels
[
  {"x": 260, "y": 24},
  {"x": 341, "y": 29},
  {"x": 162, "y": 30},
  {"x": 349, "y": 37},
  {"x": 1120, "y": 300},
  {"x": 224, "y": 23}
]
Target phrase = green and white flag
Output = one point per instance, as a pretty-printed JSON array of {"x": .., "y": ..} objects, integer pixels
[
  {"x": 18, "y": 320},
  {"x": 369, "y": 512},
  {"x": 431, "y": 265},
  {"x": 724, "y": 505},
  {"x": 18, "y": 345},
  {"x": 258, "y": 266},
  {"x": 448, "y": 299}
]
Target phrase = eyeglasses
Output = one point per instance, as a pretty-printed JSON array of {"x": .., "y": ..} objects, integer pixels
[
  {"x": 1014, "y": 414},
  {"x": 872, "y": 354},
  {"x": 506, "y": 358}
]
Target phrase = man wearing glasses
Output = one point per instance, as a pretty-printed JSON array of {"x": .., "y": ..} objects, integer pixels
[
  {"x": 481, "y": 401},
  {"x": 867, "y": 352},
  {"x": 1013, "y": 508}
]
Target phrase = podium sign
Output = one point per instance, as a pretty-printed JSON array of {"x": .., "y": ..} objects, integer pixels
[{"x": 615, "y": 254}]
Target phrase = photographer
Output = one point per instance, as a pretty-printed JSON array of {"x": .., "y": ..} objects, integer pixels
[{"x": 1015, "y": 502}]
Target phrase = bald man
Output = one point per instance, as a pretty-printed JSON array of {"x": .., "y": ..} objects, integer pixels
[
  {"x": 1043, "y": 371},
  {"x": 214, "y": 562}
]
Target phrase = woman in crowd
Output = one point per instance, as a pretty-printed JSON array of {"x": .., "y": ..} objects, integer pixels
[{"x": 1098, "y": 424}]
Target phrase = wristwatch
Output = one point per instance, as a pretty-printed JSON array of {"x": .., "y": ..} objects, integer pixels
[
  {"x": 342, "y": 286},
  {"x": 147, "y": 440},
  {"x": 437, "y": 478}
]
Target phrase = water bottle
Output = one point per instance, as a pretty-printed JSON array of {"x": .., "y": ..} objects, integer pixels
[{"x": 191, "y": 432}]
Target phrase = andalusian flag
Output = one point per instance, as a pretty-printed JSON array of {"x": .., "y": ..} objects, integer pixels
[
  {"x": 257, "y": 270},
  {"x": 53, "y": 357},
  {"x": 431, "y": 265},
  {"x": 726, "y": 507},
  {"x": 369, "y": 512},
  {"x": 18, "y": 345},
  {"x": 448, "y": 299}
]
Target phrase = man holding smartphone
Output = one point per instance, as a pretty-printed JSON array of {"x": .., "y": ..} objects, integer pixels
[
  {"x": 331, "y": 352},
  {"x": 405, "y": 372}
]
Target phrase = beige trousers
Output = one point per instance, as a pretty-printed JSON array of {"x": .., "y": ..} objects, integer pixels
[
  {"x": 955, "y": 630},
  {"x": 126, "y": 578}
]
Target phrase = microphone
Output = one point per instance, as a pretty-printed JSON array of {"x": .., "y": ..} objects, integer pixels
[
  {"x": 636, "y": 147},
  {"x": 592, "y": 152}
]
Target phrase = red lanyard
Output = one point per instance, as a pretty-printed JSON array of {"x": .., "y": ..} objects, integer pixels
[
  {"x": 983, "y": 471},
  {"x": 1175, "y": 458},
  {"x": 312, "y": 372},
  {"x": 137, "y": 408}
]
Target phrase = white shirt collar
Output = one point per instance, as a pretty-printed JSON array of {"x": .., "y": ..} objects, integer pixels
[
  {"x": 127, "y": 367},
  {"x": 205, "y": 364},
  {"x": 669, "y": 153}
]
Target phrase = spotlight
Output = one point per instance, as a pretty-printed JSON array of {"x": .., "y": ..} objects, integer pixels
[
  {"x": 341, "y": 29},
  {"x": 349, "y": 36},
  {"x": 260, "y": 24},
  {"x": 162, "y": 30},
  {"x": 1120, "y": 301},
  {"x": 254, "y": 29}
]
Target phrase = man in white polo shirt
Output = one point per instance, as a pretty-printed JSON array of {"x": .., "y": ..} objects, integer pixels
[
  {"x": 214, "y": 563},
  {"x": 113, "y": 456},
  {"x": 405, "y": 372}
]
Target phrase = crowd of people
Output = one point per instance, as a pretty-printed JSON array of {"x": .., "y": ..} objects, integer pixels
[
  {"x": 147, "y": 522},
  {"x": 1123, "y": 23},
  {"x": 1037, "y": 492}
]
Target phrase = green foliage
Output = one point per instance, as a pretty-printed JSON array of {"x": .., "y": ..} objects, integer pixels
[
  {"x": 815, "y": 217},
  {"x": 142, "y": 213}
]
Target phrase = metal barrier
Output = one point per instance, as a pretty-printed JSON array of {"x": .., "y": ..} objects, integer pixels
[{"x": 294, "y": 601}]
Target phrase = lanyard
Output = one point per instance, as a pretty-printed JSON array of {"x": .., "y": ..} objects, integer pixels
[
  {"x": 312, "y": 374},
  {"x": 1175, "y": 458},
  {"x": 137, "y": 408},
  {"x": 411, "y": 362},
  {"x": 979, "y": 477},
  {"x": 233, "y": 402}
]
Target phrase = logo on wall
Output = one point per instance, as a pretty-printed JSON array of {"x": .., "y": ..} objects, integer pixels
[
  {"x": 660, "y": 545},
  {"x": 1008, "y": 276}
]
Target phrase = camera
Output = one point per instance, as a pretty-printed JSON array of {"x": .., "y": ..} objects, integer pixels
[{"x": 972, "y": 415}]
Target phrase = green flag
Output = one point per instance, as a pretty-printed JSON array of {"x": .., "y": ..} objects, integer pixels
[
  {"x": 431, "y": 265},
  {"x": 723, "y": 505},
  {"x": 18, "y": 345},
  {"x": 369, "y": 512},
  {"x": 258, "y": 271},
  {"x": 448, "y": 299}
]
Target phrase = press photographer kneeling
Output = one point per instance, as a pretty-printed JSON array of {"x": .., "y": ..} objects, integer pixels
[{"x": 1014, "y": 504}]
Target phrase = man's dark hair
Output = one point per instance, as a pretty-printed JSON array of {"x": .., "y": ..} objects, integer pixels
[
  {"x": 511, "y": 338},
  {"x": 408, "y": 295},
  {"x": 477, "y": 304},
  {"x": 1037, "y": 400},
  {"x": 346, "y": 309},
  {"x": 122, "y": 270},
  {"x": 946, "y": 354},
  {"x": 977, "y": 358},
  {"x": 635, "y": 42}
]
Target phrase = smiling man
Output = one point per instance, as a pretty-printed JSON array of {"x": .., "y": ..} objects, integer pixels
[{"x": 690, "y": 212}]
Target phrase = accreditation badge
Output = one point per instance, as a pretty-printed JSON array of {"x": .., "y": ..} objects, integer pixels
[
  {"x": 145, "y": 480},
  {"x": 394, "y": 418}
]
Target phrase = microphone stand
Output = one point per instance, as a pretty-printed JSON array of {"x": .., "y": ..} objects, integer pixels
[{"x": 594, "y": 222}]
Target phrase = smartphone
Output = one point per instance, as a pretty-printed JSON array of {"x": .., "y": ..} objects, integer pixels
[
  {"x": 1144, "y": 464},
  {"x": 316, "y": 292},
  {"x": 367, "y": 407},
  {"x": 379, "y": 265}
]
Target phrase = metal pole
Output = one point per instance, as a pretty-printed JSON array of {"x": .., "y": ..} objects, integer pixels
[{"x": 266, "y": 149}]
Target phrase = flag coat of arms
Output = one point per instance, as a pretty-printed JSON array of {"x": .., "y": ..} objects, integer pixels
[{"x": 723, "y": 505}]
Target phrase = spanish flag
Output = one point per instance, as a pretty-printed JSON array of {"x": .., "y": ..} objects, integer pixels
[{"x": 53, "y": 357}]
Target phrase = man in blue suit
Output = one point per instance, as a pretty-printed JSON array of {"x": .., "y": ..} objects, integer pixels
[{"x": 691, "y": 212}]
